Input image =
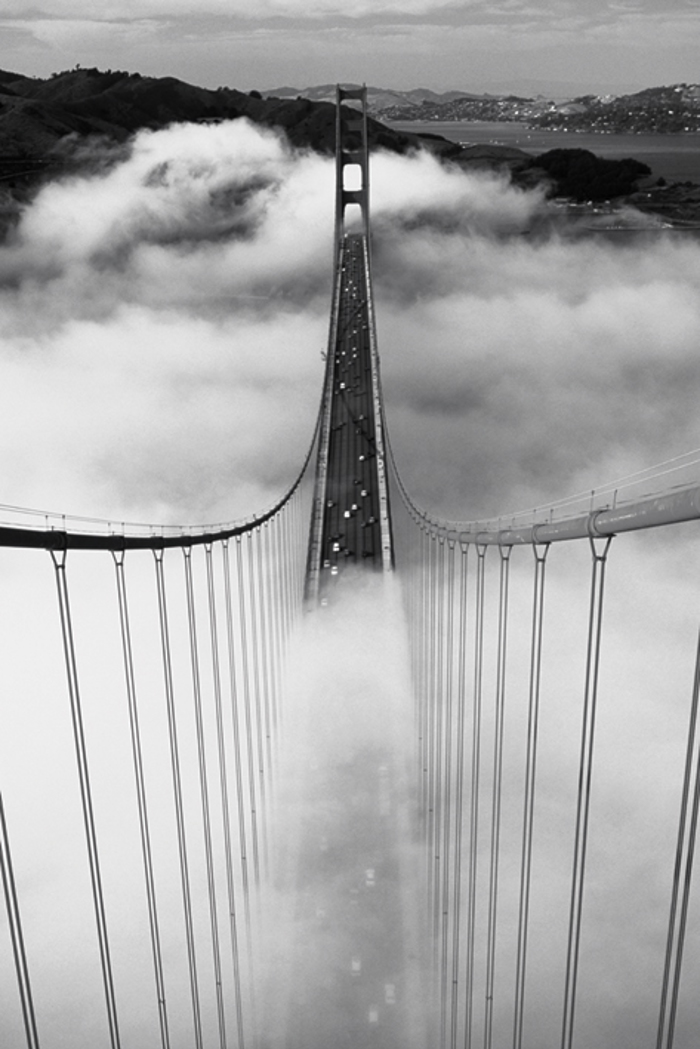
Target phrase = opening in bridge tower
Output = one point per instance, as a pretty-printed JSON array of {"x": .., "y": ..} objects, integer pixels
[{"x": 351, "y": 519}]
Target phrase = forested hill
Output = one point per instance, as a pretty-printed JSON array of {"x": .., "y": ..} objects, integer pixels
[{"x": 35, "y": 114}]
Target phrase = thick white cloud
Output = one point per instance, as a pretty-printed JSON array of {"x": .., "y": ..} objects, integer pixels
[{"x": 96, "y": 316}]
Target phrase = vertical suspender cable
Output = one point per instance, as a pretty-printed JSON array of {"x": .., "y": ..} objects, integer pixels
[
  {"x": 595, "y": 627},
  {"x": 290, "y": 526},
  {"x": 529, "y": 793},
  {"x": 235, "y": 719},
  {"x": 254, "y": 606},
  {"x": 283, "y": 570},
  {"x": 273, "y": 559},
  {"x": 276, "y": 641},
  {"x": 137, "y": 757},
  {"x": 415, "y": 667},
  {"x": 266, "y": 673},
  {"x": 421, "y": 678},
  {"x": 474, "y": 794},
  {"x": 687, "y": 832},
  {"x": 293, "y": 530},
  {"x": 418, "y": 642},
  {"x": 299, "y": 553},
  {"x": 447, "y": 815},
  {"x": 238, "y": 756},
  {"x": 59, "y": 560},
  {"x": 280, "y": 567},
  {"x": 438, "y": 639},
  {"x": 245, "y": 662},
  {"x": 413, "y": 558},
  {"x": 427, "y": 702},
  {"x": 177, "y": 793},
  {"x": 223, "y": 787},
  {"x": 431, "y": 702},
  {"x": 204, "y": 791},
  {"x": 13, "y": 920},
  {"x": 459, "y": 791},
  {"x": 281, "y": 632},
  {"x": 505, "y": 552},
  {"x": 265, "y": 646}
]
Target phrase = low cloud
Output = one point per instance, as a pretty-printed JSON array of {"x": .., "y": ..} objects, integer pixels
[
  {"x": 156, "y": 314},
  {"x": 554, "y": 366},
  {"x": 343, "y": 916}
]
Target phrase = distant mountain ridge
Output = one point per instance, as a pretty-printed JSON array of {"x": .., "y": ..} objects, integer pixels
[
  {"x": 378, "y": 98},
  {"x": 669, "y": 109}
]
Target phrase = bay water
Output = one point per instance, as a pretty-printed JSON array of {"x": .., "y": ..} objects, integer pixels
[{"x": 673, "y": 157}]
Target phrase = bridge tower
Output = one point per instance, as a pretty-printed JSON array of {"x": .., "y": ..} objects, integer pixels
[
  {"x": 351, "y": 153},
  {"x": 351, "y": 520}
]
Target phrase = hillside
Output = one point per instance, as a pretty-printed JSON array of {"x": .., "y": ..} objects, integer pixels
[{"x": 36, "y": 114}]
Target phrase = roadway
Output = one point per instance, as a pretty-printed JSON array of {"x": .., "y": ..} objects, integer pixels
[
  {"x": 351, "y": 515},
  {"x": 353, "y": 958}
]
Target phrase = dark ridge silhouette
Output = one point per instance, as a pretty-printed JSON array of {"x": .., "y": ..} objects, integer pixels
[
  {"x": 36, "y": 113},
  {"x": 581, "y": 175}
]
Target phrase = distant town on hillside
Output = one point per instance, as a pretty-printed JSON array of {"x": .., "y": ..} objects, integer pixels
[{"x": 667, "y": 110}]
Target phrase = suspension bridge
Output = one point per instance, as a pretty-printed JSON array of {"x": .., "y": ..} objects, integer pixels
[{"x": 226, "y": 865}]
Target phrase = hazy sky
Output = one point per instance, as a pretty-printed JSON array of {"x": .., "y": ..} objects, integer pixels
[{"x": 523, "y": 45}]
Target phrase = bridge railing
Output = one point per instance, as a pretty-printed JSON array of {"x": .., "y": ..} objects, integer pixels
[
  {"x": 665, "y": 494},
  {"x": 22, "y": 527}
]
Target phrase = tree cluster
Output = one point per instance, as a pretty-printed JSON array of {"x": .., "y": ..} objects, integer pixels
[{"x": 581, "y": 175}]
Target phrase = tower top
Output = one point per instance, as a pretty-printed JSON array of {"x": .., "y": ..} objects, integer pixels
[{"x": 351, "y": 152}]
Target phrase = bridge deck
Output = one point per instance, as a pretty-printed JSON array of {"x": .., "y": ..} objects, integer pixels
[{"x": 351, "y": 523}]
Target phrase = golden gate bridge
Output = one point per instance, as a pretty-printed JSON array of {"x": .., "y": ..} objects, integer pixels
[{"x": 410, "y": 920}]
